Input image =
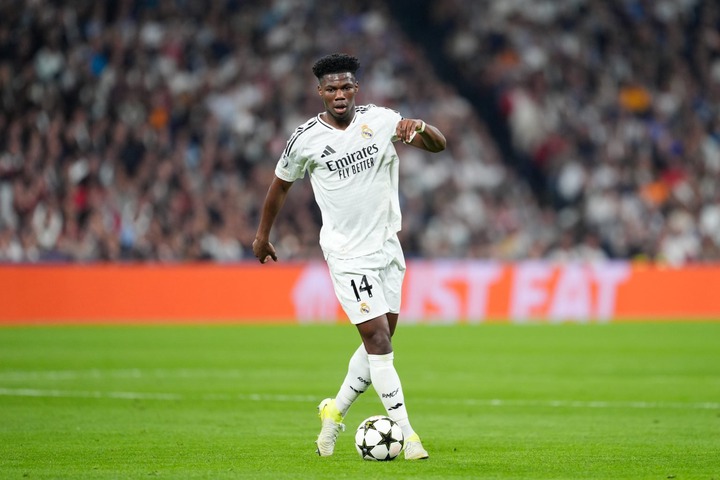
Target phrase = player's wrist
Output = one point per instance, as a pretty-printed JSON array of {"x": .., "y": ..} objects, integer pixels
[{"x": 421, "y": 130}]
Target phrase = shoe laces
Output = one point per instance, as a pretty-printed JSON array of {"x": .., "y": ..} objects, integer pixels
[{"x": 337, "y": 426}]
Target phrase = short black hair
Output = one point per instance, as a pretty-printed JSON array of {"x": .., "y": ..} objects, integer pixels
[{"x": 335, "y": 63}]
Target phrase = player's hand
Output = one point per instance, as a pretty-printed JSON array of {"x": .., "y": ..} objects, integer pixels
[
  {"x": 407, "y": 128},
  {"x": 264, "y": 250}
]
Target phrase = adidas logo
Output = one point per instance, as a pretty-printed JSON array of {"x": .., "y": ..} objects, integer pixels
[{"x": 328, "y": 151}]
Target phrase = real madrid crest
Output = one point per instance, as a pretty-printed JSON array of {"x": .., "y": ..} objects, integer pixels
[
  {"x": 366, "y": 132},
  {"x": 364, "y": 308}
]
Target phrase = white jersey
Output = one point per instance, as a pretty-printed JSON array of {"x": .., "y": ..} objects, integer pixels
[{"x": 354, "y": 174}]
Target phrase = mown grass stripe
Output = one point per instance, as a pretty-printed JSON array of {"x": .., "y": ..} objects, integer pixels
[{"x": 257, "y": 397}]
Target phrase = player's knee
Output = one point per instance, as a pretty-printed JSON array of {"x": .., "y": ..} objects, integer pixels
[
  {"x": 378, "y": 343},
  {"x": 376, "y": 336}
]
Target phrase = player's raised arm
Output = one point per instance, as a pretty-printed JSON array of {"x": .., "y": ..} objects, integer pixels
[
  {"x": 274, "y": 200},
  {"x": 419, "y": 134}
]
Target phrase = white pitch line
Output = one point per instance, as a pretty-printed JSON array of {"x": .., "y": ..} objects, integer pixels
[
  {"x": 119, "y": 373},
  {"x": 32, "y": 392},
  {"x": 577, "y": 404},
  {"x": 256, "y": 397}
]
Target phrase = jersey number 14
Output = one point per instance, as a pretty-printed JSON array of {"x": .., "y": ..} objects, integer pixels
[{"x": 364, "y": 287}]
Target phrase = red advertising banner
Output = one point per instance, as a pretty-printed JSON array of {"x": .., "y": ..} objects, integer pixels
[{"x": 451, "y": 291}]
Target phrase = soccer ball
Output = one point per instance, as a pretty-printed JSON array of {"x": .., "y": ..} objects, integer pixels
[{"x": 379, "y": 438}]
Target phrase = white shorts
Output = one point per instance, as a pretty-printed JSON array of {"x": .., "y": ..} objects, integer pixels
[{"x": 371, "y": 285}]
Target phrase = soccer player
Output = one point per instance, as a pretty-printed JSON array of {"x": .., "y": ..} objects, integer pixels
[{"x": 349, "y": 154}]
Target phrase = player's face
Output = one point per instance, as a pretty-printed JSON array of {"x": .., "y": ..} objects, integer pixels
[{"x": 338, "y": 95}]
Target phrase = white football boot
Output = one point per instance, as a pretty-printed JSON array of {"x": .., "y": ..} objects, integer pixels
[
  {"x": 331, "y": 426},
  {"x": 414, "y": 449}
]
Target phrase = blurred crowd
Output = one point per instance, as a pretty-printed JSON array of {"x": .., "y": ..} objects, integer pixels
[
  {"x": 613, "y": 109},
  {"x": 149, "y": 130}
]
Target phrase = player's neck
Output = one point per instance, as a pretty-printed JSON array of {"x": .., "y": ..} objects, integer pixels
[{"x": 340, "y": 124}]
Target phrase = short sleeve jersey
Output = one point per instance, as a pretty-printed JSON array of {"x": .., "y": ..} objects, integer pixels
[{"x": 354, "y": 176}]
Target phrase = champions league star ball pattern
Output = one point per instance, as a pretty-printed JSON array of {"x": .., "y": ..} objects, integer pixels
[{"x": 379, "y": 438}]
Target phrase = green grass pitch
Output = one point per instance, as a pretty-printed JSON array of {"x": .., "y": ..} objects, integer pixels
[{"x": 614, "y": 401}]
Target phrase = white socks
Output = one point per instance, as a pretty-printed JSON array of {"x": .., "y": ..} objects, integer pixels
[
  {"x": 378, "y": 370},
  {"x": 356, "y": 381},
  {"x": 387, "y": 385}
]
